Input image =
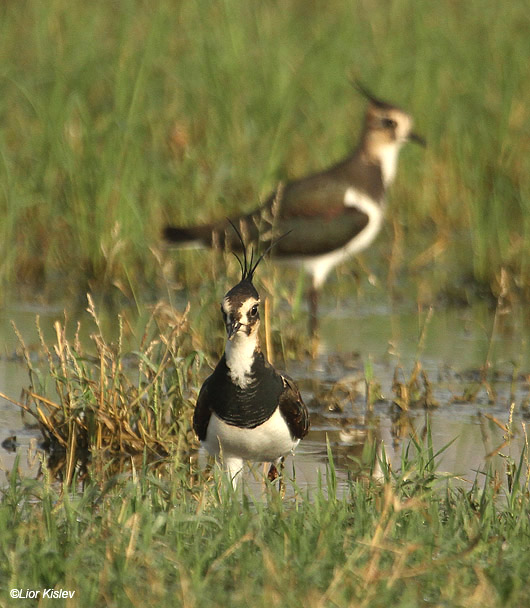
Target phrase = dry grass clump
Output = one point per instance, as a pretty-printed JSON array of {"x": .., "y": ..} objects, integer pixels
[{"x": 111, "y": 403}]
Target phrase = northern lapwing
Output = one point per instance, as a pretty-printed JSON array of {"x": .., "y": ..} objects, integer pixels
[
  {"x": 331, "y": 215},
  {"x": 247, "y": 410}
]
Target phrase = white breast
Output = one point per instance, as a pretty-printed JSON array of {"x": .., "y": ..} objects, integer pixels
[
  {"x": 374, "y": 211},
  {"x": 264, "y": 443}
]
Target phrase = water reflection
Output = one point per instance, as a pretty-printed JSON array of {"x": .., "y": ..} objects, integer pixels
[{"x": 360, "y": 343}]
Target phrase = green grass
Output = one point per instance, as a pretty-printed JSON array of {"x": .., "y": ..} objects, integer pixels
[
  {"x": 158, "y": 539},
  {"x": 117, "y": 117},
  {"x": 135, "y": 522}
]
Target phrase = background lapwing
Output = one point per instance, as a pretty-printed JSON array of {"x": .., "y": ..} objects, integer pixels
[
  {"x": 247, "y": 410},
  {"x": 331, "y": 215}
]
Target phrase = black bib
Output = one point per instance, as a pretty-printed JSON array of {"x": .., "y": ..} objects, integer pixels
[{"x": 250, "y": 406}]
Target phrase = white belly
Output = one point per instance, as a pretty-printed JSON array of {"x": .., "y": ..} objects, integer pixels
[{"x": 265, "y": 443}]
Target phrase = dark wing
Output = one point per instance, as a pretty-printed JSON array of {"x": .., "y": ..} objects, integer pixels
[
  {"x": 312, "y": 208},
  {"x": 313, "y": 214},
  {"x": 322, "y": 194},
  {"x": 313, "y": 197},
  {"x": 313, "y": 236},
  {"x": 203, "y": 412},
  {"x": 293, "y": 409}
]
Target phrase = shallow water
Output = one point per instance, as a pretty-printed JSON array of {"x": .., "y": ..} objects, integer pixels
[{"x": 455, "y": 346}]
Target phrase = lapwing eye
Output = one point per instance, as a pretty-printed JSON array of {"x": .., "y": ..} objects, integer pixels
[
  {"x": 389, "y": 123},
  {"x": 254, "y": 310}
]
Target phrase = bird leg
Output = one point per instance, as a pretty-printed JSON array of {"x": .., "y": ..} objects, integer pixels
[
  {"x": 313, "y": 311},
  {"x": 274, "y": 474},
  {"x": 234, "y": 468}
]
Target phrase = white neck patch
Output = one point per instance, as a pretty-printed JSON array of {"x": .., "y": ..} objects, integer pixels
[
  {"x": 239, "y": 353},
  {"x": 357, "y": 199},
  {"x": 388, "y": 157}
]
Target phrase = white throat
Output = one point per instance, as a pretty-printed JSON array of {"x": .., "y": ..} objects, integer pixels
[
  {"x": 388, "y": 157},
  {"x": 239, "y": 353}
]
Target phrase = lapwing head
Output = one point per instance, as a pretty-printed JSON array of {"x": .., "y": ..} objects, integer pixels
[
  {"x": 386, "y": 124},
  {"x": 240, "y": 305},
  {"x": 240, "y": 309}
]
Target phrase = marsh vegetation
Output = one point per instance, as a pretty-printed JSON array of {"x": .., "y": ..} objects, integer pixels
[{"x": 118, "y": 118}]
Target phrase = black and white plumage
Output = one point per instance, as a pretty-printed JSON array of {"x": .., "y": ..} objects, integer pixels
[
  {"x": 247, "y": 410},
  {"x": 331, "y": 215}
]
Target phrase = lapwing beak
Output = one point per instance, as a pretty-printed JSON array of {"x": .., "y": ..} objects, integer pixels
[
  {"x": 417, "y": 139},
  {"x": 232, "y": 329}
]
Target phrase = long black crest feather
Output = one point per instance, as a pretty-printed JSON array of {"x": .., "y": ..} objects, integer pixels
[
  {"x": 248, "y": 267},
  {"x": 368, "y": 95}
]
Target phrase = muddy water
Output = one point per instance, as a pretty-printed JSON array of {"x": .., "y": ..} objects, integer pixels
[
  {"x": 14, "y": 377},
  {"x": 453, "y": 345}
]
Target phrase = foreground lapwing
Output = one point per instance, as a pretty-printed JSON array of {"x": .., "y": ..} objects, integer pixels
[
  {"x": 247, "y": 410},
  {"x": 331, "y": 215}
]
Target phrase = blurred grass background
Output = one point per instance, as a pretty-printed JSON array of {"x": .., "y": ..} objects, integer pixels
[{"x": 118, "y": 117}]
